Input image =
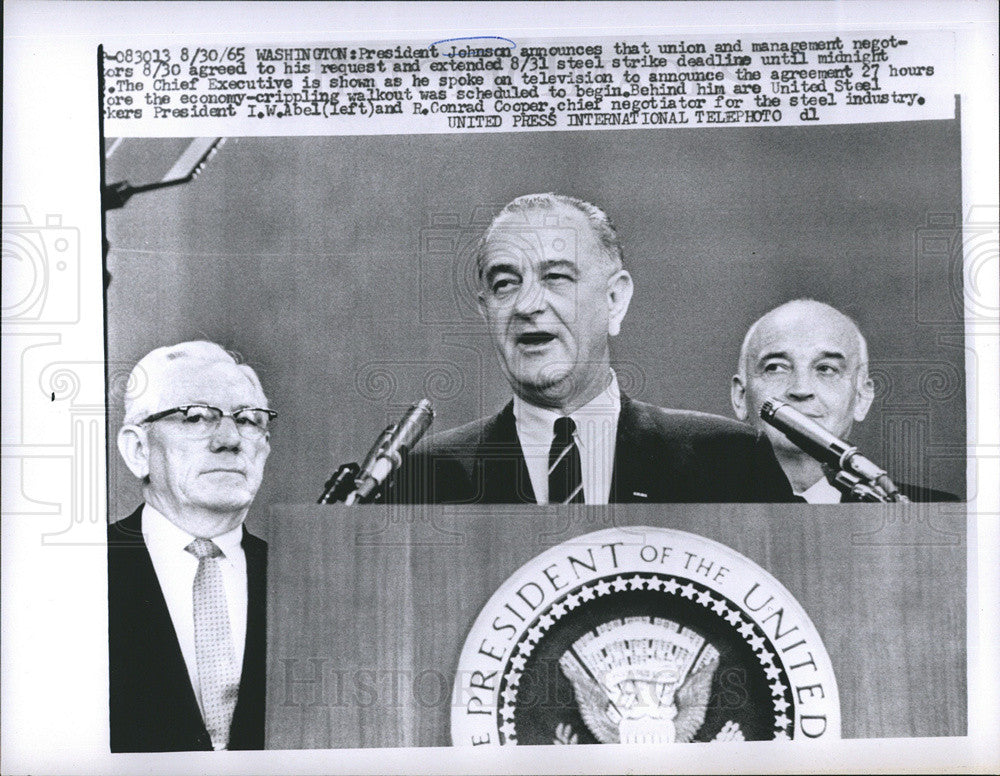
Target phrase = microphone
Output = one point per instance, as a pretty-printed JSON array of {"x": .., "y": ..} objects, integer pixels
[
  {"x": 387, "y": 454},
  {"x": 825, "y": 447}
]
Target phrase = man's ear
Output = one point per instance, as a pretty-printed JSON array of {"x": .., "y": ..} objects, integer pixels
[
  {"x": 865, "y": 396},
  {"x": 619, "y": 296},
  {"x": 133, "y": 444},
  {"x": 738, "y": 396}
]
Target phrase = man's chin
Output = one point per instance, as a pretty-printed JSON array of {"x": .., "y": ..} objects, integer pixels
[
  {"x": 227, "y": 503},
  {"x": 780, "y": 442},
  {"x": 547, "y": 389}
]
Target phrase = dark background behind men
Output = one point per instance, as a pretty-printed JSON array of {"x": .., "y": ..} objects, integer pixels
[{"x": 342, "y": 265}]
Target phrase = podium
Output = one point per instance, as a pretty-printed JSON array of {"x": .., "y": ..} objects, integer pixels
[{"x": 369, "y": 607}]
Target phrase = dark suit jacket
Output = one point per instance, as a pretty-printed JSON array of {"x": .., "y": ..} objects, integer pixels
[
  {"x": 153, "y": 707},
  {"x": 661, "y": 456}
]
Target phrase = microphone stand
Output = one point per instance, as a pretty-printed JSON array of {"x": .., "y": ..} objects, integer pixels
[
  {"x": 354, "y": 484},
  {"x": 344, "y": 487},
  {"x": 859, "y": 490},
  {"x": 341, "y": 484}
]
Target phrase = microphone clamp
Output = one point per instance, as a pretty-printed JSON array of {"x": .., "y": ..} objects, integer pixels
[{"x": 856, "y": 474}]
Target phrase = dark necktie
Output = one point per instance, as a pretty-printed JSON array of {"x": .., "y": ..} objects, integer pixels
[
  {"x": 565, "y": 471},
  {"x": 218, "y": 673}
]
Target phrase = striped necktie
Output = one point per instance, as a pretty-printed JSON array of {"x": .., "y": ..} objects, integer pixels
[
  {"x": 218, "y": 674},
  {"x": 565, "y": 471}
]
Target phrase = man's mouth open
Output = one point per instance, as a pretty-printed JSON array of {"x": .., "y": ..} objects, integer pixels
[{"x": 530, "y": 339}]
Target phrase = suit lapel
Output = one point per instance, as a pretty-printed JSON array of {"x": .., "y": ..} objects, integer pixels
[
  {"x": 625, "y": 479},
  {"x": 505, "y": 478},
  {"x": 645, "y": 471},
  {"x": 148, "y": 597},
  {"x": 247, "y": 729},
  {"x": 149, "y": 676},
  {"x": 153, "y": 706}
]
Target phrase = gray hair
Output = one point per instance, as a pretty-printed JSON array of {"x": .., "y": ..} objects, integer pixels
[
  {"x": 601, "y": 225},
  {"x": 146, "y": 380},
  {"x": 741, "y": 369}
]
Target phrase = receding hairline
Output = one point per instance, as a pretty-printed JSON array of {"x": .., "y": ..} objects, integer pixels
[
  {"x": 862, "y": 343},
  {"x": 601, "y": 227},
  {"x": 147, "y": 379}
]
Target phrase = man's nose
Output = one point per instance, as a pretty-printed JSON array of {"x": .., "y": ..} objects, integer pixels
[
  {"x": 530, "y": 298},
  {"x": 800, "y": 385},
  {"x": 226, "y": 436}
]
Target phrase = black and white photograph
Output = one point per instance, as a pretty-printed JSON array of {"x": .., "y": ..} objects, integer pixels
[
  {"x": 589, "y": 318},
  {"x": 435, "y": 428}
]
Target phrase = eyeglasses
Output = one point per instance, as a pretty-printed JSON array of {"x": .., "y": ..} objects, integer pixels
[{"x": 202, "y": 420}]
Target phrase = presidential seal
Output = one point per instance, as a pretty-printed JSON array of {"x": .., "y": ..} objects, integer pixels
[{"x": 642, "y": 635}]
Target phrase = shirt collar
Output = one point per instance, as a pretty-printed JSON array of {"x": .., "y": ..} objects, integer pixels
[
  {"x": 535, "y": 424},
  {"x": 821, "y": 492},
  {"x": 157, "y": 529}
]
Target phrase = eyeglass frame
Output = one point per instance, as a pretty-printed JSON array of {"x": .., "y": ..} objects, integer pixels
[{"x": 271, "y": 415}]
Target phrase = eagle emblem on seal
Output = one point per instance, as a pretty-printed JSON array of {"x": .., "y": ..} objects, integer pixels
[{"x": 642, "y": 680}]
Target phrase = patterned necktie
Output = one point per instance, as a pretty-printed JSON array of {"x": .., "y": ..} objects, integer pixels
[
  {"x": 565, "y": 471},
  {"x": 218, "y": 674}
]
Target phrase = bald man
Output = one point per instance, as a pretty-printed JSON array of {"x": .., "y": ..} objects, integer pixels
[{"x": 813, "y": 357}]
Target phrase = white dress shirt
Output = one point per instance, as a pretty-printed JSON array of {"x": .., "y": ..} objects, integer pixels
[
  {"x": 821, "y": 492},
  {"x": 596, "y": 430},
  {"x": 175, "y": 569}
]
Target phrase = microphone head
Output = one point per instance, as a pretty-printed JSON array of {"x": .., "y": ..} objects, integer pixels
[
  {"x": 805, "y": 432},
  {"x": 414, "y": 425},
  {"x": 420, "y": 416},
  {"x": 768, "y": 408},
  {"x": 390, "y": 449}
]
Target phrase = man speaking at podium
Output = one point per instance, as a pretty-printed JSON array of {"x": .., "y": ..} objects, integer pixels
[
  {"x": 186, "y": 581},
  {"x": 553, "y": 290},
  {"x": 814, "y": 358}
]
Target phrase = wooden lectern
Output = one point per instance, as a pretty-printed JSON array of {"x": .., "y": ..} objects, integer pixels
[{"x": 370, "y": 606}]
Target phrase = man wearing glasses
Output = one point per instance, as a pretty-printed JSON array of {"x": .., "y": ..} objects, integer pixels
[{"x": 186, "y": 580}]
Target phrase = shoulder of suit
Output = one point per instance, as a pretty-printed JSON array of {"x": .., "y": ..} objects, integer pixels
[
  {"x": 455, "y": 440},
  {"x": 669, "y": 422},
  {"x": 688, "y": 423},
  {"x": 128, "y": 528}
]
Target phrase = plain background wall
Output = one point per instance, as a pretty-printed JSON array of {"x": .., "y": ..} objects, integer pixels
[{"x": 340, "y": 268}]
